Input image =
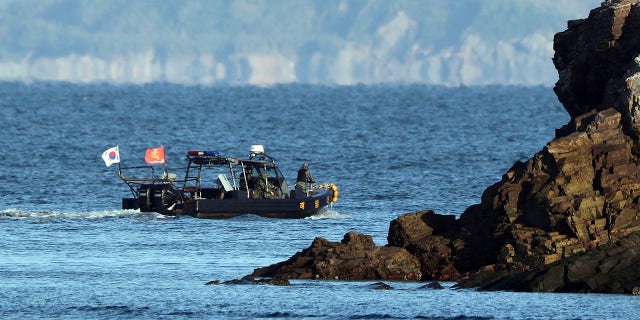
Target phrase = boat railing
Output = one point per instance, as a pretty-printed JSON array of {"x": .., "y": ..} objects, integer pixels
[{"x": 134, "y": 181}]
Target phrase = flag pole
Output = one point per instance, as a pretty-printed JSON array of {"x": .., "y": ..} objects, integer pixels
[
  {"x": 119, "y": 159},
  {"x": 164, "y": 156}
]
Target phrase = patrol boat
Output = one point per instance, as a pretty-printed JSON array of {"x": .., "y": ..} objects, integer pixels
[{"x": 218, "y": 187}]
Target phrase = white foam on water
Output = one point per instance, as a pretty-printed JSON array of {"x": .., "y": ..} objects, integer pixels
[
  {"x": 48, "y": 215},
  {"x": 328, "y": 213}
]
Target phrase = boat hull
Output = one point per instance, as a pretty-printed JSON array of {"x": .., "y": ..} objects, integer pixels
[{"x": 237, "y": 204}]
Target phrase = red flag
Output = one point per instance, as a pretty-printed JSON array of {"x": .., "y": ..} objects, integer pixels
[{"x": 155, "y": 156}]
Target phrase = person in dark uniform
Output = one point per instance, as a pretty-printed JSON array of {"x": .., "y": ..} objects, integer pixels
[
  {"x": 263, "y": 188},
  {"x": 304, "y": 177}
]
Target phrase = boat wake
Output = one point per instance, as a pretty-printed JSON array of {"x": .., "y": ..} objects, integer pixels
[
  {"x": 45, "y": 216},
  {"x": 328, "y": 213}
]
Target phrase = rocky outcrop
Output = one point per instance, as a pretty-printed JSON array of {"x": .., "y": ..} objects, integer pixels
[
  {"x": 562, "y": 220},
  {"x": 356, "y": 257},
  {"x": 428, "y": 237},
  {"x": 597, "y": 61},
  {"x": 612, "y": 268}
]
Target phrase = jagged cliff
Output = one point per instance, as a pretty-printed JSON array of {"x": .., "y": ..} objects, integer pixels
[{"x": 565, "y": 220}]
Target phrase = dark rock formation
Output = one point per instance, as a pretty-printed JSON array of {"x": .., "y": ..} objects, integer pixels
[
  {"x": 557, "y": 222},
  {"x": 597, "y": 59},
  {"x": 427, "y": 236},
  {"x": 252, "y": 280},
  {"x": 356, "y": 257},
  {"x": 381, "y": 286},
  {"x": 611, "y": 268},
  {"x": 434, "y": 285}
]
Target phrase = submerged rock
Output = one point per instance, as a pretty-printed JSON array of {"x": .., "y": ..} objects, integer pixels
[
  {"x": 252, "y": 280},
  {"x": 381, "y": 286},
  {"x": 559, "y": 221},
  {"x": 433, "y": 285}
]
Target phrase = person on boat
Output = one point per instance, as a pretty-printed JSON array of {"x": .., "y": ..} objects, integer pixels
[
  {"x": 263, "y": 188},
  {"x": 304, "y": 177},
  {"x": 245, "y": 179}
]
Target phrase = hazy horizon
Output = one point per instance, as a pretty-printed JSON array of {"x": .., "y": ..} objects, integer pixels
[{"x": 263, "y": 42}]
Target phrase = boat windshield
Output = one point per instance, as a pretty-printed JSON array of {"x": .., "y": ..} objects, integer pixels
[{"x": 254, "y": 169}]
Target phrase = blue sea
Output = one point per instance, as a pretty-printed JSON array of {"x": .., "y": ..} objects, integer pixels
[{"x": 68, "y": 251}]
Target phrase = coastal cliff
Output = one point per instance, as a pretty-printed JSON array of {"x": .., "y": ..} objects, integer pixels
[{"x": 567, "y": 219}]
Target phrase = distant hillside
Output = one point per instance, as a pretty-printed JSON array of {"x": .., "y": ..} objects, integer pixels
[{"x": 266, "y": 41}]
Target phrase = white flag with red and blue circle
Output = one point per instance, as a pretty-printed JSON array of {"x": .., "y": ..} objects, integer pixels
[{"x": 111, "y": 156}]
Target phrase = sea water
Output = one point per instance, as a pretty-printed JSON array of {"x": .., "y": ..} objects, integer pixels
[{"x": 68, "y": 251}]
